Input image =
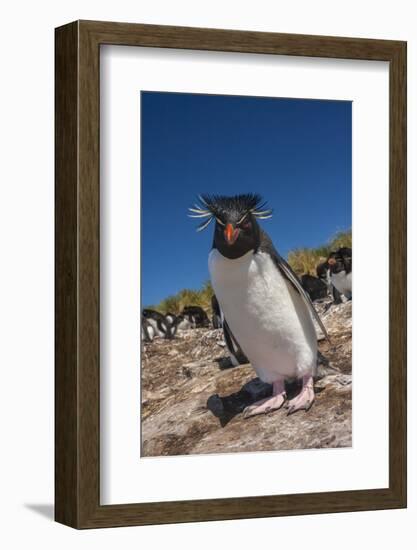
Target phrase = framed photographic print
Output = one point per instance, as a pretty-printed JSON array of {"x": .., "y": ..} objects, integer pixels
[{"x": 230, "y": 274}]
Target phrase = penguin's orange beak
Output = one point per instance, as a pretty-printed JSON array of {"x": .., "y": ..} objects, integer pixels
[
  {"x": 332, "y": 261},
  {"x": 231, "y": 234}
]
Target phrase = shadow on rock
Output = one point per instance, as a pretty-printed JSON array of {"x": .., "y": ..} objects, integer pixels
[{"x": 227, "y": 407}]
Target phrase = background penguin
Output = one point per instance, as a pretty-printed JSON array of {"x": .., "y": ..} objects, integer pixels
[
  {"x": 188, "y": 320},
  {"x": 216, "y": 317},
  {"x": 170, "y": 317},
  {"x": 148, "y": 331},
  {"x": 183, "y": 323},
  {"x": 173, "y": 322},
  {"x": 262, "y": 299},
  {"x": 197, "y": 315},
  {"x": 158, "y": 321},
  {"x": 315, "y": 287},
  {"x": 323, "y": 273},
  {"x": 340, "y": 264}
]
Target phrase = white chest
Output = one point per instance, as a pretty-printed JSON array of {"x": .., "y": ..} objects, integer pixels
[
  {"x": 248, "y": 284},
  {"x": 342, "y": 281},
  {"x": 266, "y": 315}
]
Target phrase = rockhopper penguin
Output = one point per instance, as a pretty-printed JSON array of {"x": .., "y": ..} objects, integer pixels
[
  {"x": 266, "y": 308},
  {"x": 340, "y": 264}
]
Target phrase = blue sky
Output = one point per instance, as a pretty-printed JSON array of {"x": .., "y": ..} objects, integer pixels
[{"x": 296, "y": 153}]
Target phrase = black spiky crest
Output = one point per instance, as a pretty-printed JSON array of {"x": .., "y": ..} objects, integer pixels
[{"x": 219, "y": 206}]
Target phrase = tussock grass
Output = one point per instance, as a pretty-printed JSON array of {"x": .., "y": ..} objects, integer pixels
[
  {"x": 305, "y": 260},
  {"x": 187, "y": 297}
]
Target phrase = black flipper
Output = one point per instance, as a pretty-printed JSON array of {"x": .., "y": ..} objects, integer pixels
[
  {"x": 233, "y": 345},
  {"x": 337, "y": 297},
  {"x": 267, "y": 246}
]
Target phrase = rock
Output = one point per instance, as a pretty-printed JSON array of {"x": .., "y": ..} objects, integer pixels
[{"x": 193, "y": 401}]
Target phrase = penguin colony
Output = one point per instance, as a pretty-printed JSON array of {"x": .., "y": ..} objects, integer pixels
[
  {"x": 334, "y": 277},
  {"x": 156, "y": 324}
]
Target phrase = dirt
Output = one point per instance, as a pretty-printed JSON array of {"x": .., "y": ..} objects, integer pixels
[{"x": 192, "y": 398}]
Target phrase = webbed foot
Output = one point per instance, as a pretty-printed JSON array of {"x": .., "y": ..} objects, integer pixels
[
  {"x": 305, "y": 399},
  {"x": 269, "y": 404}
]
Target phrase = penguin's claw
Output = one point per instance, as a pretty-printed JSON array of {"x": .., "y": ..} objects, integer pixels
[
  {"x": 265, "y": 406},
  {"x": 303, "y": 401}
]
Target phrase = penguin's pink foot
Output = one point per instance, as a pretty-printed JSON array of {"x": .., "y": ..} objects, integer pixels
[
  {"x": 305, "y": 398},
  {"x": 264, "y": 406}
]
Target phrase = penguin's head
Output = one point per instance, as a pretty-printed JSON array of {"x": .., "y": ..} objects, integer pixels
[
  {"x": 236, "y": 231},
  {"x": 341, "y": 260}
]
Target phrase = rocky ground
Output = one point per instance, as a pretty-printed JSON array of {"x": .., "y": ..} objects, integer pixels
[{"x": 192, "y": 399}]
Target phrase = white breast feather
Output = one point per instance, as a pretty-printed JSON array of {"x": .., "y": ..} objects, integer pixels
[
  {"x": 154, "y": 325},
  {"x": 342, "y": 281},
  {"x": 266, "y": 315}
]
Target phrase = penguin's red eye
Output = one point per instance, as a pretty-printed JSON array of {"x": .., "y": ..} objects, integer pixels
[{"x": 246, "y": 225}]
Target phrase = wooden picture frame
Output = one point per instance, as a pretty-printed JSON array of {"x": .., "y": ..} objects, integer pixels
[{"x": 77, "y": 374}]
